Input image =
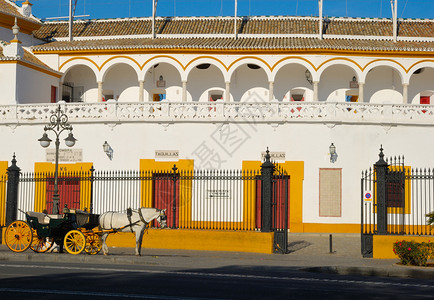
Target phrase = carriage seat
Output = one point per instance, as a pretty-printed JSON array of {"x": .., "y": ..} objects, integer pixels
[{"x": 42, "y": 217}]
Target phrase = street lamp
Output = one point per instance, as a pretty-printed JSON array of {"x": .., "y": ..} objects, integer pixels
[{"x": 58, "y": 124}]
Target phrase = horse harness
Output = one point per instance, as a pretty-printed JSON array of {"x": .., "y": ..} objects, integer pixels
[{"x": 129, "y": 215}]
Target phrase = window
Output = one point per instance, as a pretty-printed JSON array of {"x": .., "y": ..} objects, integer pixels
[
  {"x": 158, "y": 97},
  {"x": 425, "y": 100}
]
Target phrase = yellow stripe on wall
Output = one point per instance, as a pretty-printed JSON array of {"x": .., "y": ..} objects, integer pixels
[{"x": 3, "y": 180}]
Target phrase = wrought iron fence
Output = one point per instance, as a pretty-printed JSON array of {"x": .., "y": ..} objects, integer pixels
[
  {"x": 193, "y": 199},
  {"x": 402, "y": 207}
]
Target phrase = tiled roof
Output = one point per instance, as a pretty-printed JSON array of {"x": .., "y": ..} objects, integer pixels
[
  {"x": 28, "y": 57},
  {"x": 11, "y": 9},
  {"x": 225, "y": 25},
  {"x": 227, "y": 43}
]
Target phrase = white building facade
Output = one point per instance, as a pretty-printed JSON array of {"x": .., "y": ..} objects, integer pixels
[{"x": 218, "y": 99}]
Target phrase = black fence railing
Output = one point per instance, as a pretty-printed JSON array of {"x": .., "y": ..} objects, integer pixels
[
  {"x": 395, "y": 200},
  {"x": 193, "y": 199}
]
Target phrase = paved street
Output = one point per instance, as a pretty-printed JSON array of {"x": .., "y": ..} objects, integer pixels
[
  {"x": 31, "y": 280},
  {"x": 309, "y": 271}
]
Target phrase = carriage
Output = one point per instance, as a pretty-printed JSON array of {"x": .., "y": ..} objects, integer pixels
[
  {"x": 74, "y": 230},
  {"x": 77, "y": 230}
]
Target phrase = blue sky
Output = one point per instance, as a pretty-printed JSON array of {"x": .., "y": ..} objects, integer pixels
[{"x": 104, "y": 9}]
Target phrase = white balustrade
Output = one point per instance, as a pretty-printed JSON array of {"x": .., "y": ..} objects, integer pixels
[{"x": 166, "y": 111}]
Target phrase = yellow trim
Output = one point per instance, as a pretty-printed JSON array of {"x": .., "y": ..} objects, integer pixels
[
  {"x": 80, "y": 57},
  {"x": 15, "y": 41},
  {"x": 383, "y": 244},
  {"x": 320, "y": 51},
  {"x": 295, "y": 169},
  {"x": 120, "y": 56},
  {"x": 293, "y": 57},
  {"x": 31, "y": 66},
  {"x": 207, "y": 57},
  {"x": 42, "y": 168},
  {"x": 382, "y": 59},
  {"x": 249, "y": 57},
  {"x": 27, "y": 27},
  {"x": 148, "y": 166},
  {"x": 208, "y": 240},
  {"x": 3, "y": 180}
]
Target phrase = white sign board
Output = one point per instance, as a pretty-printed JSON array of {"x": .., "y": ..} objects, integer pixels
[
  {"x": 166, "y": 154},
  {"x": 65, "y": 155},
  {"x": 274, "y": 156}
]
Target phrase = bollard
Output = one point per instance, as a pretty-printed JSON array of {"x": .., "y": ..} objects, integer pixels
[{"x": 331, "y": 243}]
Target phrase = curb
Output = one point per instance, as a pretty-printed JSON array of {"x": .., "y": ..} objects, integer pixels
[{"x": 392, "y": 271}]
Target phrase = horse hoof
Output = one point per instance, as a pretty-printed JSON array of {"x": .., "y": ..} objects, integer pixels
[{"x": 105, "y": 254}]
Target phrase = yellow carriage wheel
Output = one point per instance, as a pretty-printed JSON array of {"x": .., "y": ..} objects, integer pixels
[
  {"x": 40, "y": 244},
  {"x": 18, "y": 236},
  {"x": 93, "y": 243},
  {"x": 74, "y": 242}
]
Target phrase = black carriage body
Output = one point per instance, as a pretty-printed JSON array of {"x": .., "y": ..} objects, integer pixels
[{"x": 57, "y": 228}]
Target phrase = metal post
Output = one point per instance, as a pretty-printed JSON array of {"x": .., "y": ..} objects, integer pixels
[
  {"x": 267, "y": 170},
  {"x": 381, "y": 169},
  {"x": 175, "y": 178},
  {"x": 56, "y": 197},
  {"x": 91, "y": 189},
  {"x": 12, "y": 192}
]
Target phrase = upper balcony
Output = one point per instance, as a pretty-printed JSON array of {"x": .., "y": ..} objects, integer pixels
[{"x": 220, "y": 111}]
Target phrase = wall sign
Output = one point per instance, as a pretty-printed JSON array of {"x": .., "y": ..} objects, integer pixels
[
  {"x": 164, "y": 154},
  {"x": 65, "y": 155},
  {"x": 274, "y": 156}
]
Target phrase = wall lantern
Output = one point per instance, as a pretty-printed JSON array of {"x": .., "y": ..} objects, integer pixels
[
  {"x": 308, "y": 76},
  {"x": 354, "y": 84},
  {"x": 333, "y": 153},
  {"x": 161, "y": 83},
  {"x": 108, "y": 150}
]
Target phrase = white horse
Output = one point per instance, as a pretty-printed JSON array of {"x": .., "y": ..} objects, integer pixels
[{"x": 133, "y": 220}]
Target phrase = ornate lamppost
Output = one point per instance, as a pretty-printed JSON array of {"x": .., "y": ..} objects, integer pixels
[{"x": 58, "y": 124}]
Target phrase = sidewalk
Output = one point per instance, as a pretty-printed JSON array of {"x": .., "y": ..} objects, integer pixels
[{"x": 308, "y": 252}]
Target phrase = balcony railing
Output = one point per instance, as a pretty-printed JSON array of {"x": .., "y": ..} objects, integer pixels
[{"x": 260, "y": 112}]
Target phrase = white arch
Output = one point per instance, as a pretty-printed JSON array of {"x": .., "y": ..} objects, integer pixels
[
  {"x": 206, "y": 60},
  {"x": 78, "y": 62},
  {"x": 245, "y": 61},
  {"x": 116, "y": 61},
  {"x": 291, "y": 61},
  {"x": 163, "y": 59},
  {"x": 424, "y": 64},
  {"x": 385, "y": 63},
  {"x": 341, "y": 62}
]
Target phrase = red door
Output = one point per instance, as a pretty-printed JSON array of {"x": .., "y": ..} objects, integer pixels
[
  {"x": 53, "y": 94},
  {"x": 280, "y": 197},
  {"x": 69, "y": 193},
  {"x": 164, "y": 190}
]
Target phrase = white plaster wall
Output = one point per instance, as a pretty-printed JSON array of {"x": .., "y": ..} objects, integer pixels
[
  {"x": 26, "y": 39},
  {"x": 8, "y": 75},
  {"x": 34, "y": 86},
  {"x": 357, "y": 148}
]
